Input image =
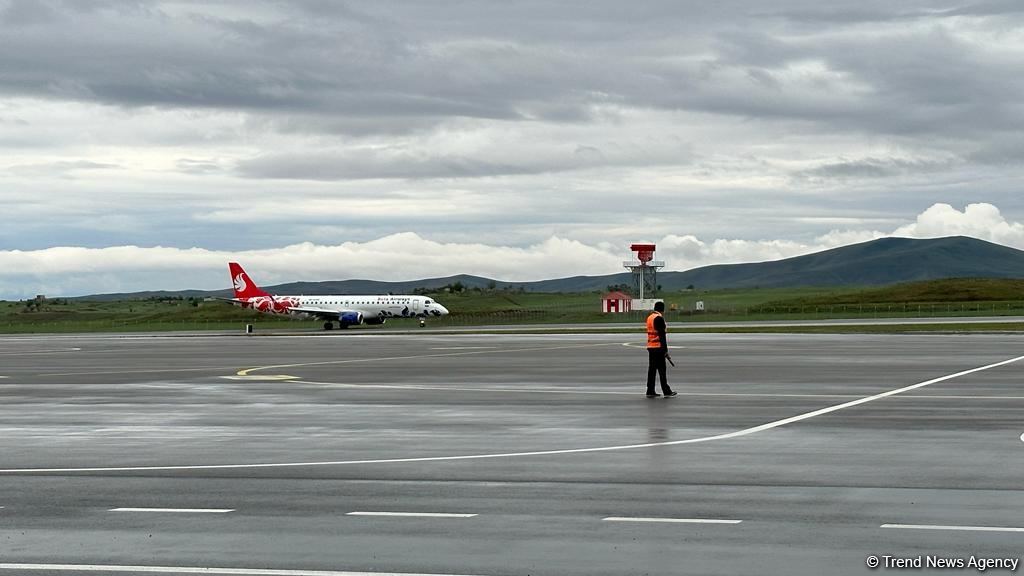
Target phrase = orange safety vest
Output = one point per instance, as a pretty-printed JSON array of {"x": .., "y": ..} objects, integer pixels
[{"x": 653, "y": 341}]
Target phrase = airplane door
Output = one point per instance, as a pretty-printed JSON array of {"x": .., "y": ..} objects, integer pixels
[{"x": 417, "y": 306}]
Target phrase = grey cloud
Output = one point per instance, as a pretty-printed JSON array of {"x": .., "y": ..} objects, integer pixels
[
  {"x": 26, "y": 13},
  {"x": 517, "y": 158},
  {"x": 700, "y": 108},
  {"x": 987, "y": 8},
  {"x": 513, "y": 61},
  {"x": 366, "y": 166},
  {"x": 198, "y": 167},
  {"x": 816, "y": 13},
  {"x": 874, "y": 168},
  {"x": 59, "y": 169},
  {"x": 1000, "y": 149}
]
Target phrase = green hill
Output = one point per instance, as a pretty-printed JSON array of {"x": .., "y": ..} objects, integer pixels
[
  {"x": 876, "y": 263},
  {"x": 926, "y": 292}
]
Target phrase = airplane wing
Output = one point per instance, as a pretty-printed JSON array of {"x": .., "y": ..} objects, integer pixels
[
  {"x": 320, "y": 312},
  {"x": 238, "y": 301}
]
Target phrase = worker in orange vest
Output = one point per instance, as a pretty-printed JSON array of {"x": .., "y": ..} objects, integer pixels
[{"x": 657, "y": 351}]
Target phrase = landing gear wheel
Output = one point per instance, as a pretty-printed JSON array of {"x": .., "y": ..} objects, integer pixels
[{"x": 328, "y": 325}]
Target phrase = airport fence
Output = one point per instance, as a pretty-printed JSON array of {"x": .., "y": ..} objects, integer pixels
[
  {"x": 552, "y": 314},
  {"x": 712, "y": 313}
]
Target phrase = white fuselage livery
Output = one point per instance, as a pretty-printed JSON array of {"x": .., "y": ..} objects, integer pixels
[{"x": 346, "y": 310}]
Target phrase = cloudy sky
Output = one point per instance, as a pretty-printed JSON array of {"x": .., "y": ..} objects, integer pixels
[{"x": 145, "y": 143}]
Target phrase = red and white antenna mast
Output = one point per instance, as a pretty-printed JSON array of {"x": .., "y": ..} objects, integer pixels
[{"x": 645, "y": 270}]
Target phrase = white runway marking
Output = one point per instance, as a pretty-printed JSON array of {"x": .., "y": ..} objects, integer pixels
[
  {"x": 177, "y": 510},
  {"x": 197, "y": 570},
  {"x": 726, "y": 436},
  {"x": 968, "y": 528},
  {"x": 631, "y": 391},
  {"x": 261, "y": 377},
  {"x": 467, "y": 348},
  {"x": 636, "y": 345},
  {"x": 671, "y": 520},
  {"x": 1022, "y": 437},
  {"x": 246, "y": 371},
  {"x": 142, "y": 371},
  {"x": 28, "y": 352},
  {"x": 413, "y": 514}
]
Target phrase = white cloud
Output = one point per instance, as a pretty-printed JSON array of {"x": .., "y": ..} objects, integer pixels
[
  {"x": 981, "y": 220},
  {"x": 74, "y": 271},
  {"x": 70, "y": 271}
]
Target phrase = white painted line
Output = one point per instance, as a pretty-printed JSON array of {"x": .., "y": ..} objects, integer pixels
[
  {"x": 637, "y": 345},
  {"x": 420, "y": 356},
  {"x": 246, "y": 371},
  {"x": 631, "y": 391},
  {"x": 29, "y": 352},
  {"x": 177, "y": 510},
  {"x": 671, "y": 520},
  {"x": 412, "y": 514},
  {"x": 141, "y": 371},
  {"x": 969, "y": 528},
  {"x": 1022, "y": 437},
  {"x": 726, "y": 436},
  {"x": 264, "y": 377},
  {"x": 198, "y": 570},
  {"x": 466, "y": 348},
  {"x": 554, "y": 390}
]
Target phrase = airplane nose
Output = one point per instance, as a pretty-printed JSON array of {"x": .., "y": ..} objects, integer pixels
[{"x": 442, "y": 310}]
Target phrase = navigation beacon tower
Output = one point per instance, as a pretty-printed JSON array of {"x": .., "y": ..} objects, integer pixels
[{"x": 645, "y": 272}]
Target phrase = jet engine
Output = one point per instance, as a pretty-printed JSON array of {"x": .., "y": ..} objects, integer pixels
[{"x": 350, "y": 318}]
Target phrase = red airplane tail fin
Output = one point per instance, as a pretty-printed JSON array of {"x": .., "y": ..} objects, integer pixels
[{"x": 244, "y": 286}]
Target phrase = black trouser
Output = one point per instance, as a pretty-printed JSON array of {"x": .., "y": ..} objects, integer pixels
[{"x": 656, "y": 363}]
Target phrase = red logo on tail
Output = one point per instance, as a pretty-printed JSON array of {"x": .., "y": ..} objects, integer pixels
[{"x": 244, "y": 286}]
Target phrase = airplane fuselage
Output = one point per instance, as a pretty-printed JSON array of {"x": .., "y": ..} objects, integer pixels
[
  {"x": 346, "y": 310},
  {"x": 371, "y": 307}
]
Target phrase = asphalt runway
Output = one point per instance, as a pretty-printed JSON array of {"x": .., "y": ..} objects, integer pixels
[{"x": 509, "y": 454}]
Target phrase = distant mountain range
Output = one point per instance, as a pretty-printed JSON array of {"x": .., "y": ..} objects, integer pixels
[{"x": 874, "y": 263}]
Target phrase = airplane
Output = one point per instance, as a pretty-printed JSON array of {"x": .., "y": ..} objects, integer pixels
[{"x": 347, "y": 310}]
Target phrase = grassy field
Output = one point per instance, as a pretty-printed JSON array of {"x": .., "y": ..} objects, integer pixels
[{"x": 936, "y": 299}]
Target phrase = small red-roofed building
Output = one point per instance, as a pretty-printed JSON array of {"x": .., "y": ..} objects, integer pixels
[{"x": 614, "y": 302}]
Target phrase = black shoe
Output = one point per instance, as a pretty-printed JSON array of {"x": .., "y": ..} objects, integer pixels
[
  {"x": 653, "y": 395},
  {"x": 671, "y": 394}
]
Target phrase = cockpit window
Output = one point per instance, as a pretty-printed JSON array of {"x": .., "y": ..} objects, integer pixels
[{"x": 427, "y": 302}]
